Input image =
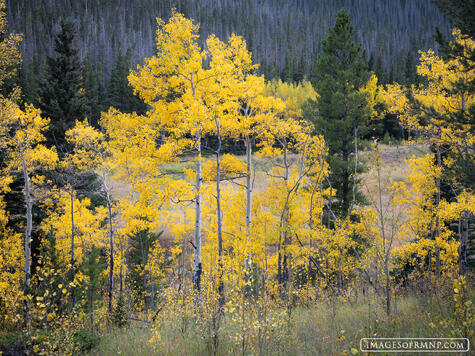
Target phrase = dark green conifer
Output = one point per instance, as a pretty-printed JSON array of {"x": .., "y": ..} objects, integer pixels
[
  {"x": 61, "y": 93},
  {"x": 341, "y": 110}
]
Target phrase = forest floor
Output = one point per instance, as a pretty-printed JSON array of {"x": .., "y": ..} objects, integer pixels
[{"x": 324, "y": 328}]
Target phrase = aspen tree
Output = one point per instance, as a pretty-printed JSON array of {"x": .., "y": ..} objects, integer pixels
[
  {"x": 22, "y": 141},
  {"x": 175, "y": 84},
  {"x": 440, "y": 112},
  {"x": 91, "y": 152}
]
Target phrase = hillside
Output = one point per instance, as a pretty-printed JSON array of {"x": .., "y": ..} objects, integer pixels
[{"x": 279, "y": 33}]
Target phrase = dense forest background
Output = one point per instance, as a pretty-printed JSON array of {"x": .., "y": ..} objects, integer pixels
[{"x": 284, "y": 36}]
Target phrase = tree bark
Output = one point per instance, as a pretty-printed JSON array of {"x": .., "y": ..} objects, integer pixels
[
  {"x": 197, "y": 267},
  {"x": 437, "y": 247},
  {"x": 219, "y": 218},
  {"x": 111, "y": 243},
  {"x": 345, "y": 177},
  {"x": 73, "y": 272},
  {"x": 249, "y": 187},
  {"x": 29, "y": 226},
  {"x": 248, "y": 183}
]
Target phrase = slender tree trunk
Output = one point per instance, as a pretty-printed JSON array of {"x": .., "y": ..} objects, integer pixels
[
  {"x": 197, "y": 267},
  {"x": 437, "y": 248},
  {"x": 345, "y": 177},
  {"x": 249, "y": 187},
  {"x": 29, "y": 227},
  {"x": 219, "y": 218},
  {"x": 463, "y": 237},
  {"x": 248, "y": 183},
  {"x": 283, "y": 260},
  {"x": 429, "y": 254},
  {"x": 386, "y": 244},
  {"x": 73, "y": 271},
  {"x": 388, "y": 285},
  {"x": 144, "y": 276},
  {"x": 355, "y": 177},
  {"x": 111, "y": 243}
]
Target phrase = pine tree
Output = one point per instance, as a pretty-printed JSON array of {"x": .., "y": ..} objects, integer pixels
[
  {"x": 120, "y": 94},
  {"x": 94, "y": 92},
  {"x": 288, "y": 70},
  {"x": 410, "y": 70},
  {"x": 299, "y": 73},
  {"x": 461, "y": 12},
  {"x": 339, "y": 113},
  {"x": 380, "y": 70},
  {"x": 141, "y": 244},
  {"x": 371, "y": 62},
  {"x": 61, "y": 94},
  {"x": 93, "y": 267}
]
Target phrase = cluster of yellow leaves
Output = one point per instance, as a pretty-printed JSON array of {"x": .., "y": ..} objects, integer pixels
[
  {"x": 11, "y": 271},
  {"x": 443, "y": 98},
  {"x": 9, "y": 47},
  {"x": 438, "y": 97},
  {"x": 88, "y": 230},
  {"x": 22, "y": 134},
  {"x": 293, "y": 95},
  {"x": 425, "y": 219}
]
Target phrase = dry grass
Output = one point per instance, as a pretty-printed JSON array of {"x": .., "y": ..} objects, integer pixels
[
  {"x": 393, "y": 164},
  {"x": 316, "y": 329}
]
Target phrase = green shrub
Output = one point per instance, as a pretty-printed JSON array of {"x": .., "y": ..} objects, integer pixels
[
  {"x": 119, "y": 314},
  {"x": 86, "y": 340}
]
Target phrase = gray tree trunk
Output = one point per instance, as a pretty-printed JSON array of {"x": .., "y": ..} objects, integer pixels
[
  {"x": 197, "y": 267},
  {"x": 219, "y": 217},
  {"x": 111, "y": 242},
  {"x": 73, "y": 271},
  {"x": 29, "y": 226}
]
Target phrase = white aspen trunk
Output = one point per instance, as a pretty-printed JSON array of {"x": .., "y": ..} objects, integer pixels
[
  {"x": 387, "y": 249},
  {"x": 356, "y": 168},
  {"x": 29, "y": 226},
  {"x": 197, "y": 267},
  {"x": 248, "y": 183},
  {"x": 249, "y": 187},
  {"x": 72, "y": 246},
  {"x": 111, "y": 243},
  {"x": 437, "y": 247},
  {"x": 197, "y": 262},
  {"x": 219, "y": 217},
  {"x": 282, "y": 259}
]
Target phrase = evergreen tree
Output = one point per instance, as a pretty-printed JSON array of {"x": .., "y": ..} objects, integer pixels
[
  {"x": 299, "y": 73},
  {"x": 28, "y": 83},
  {"x": 380, "y": 70},
  {"x": 339, "y": 113},
  {"x": 273, "y": 71},
  {"x": 391, "y": 73},
  {"x": 93, "y": 267},
  {"x": 461, "y": 13},
  {"x": 141, "y": 244},
  {"x": 288, "y": 70},
  {"x": 410, "y": 70},
  {"x": 119, "y": 93},
  {"x": 94, "y": 92},
  {"x": 61, "y": 92},
  {"x": 371, "y": 63}
]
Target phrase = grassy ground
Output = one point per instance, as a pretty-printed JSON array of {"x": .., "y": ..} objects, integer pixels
[{"x": 320, "y": 329}]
